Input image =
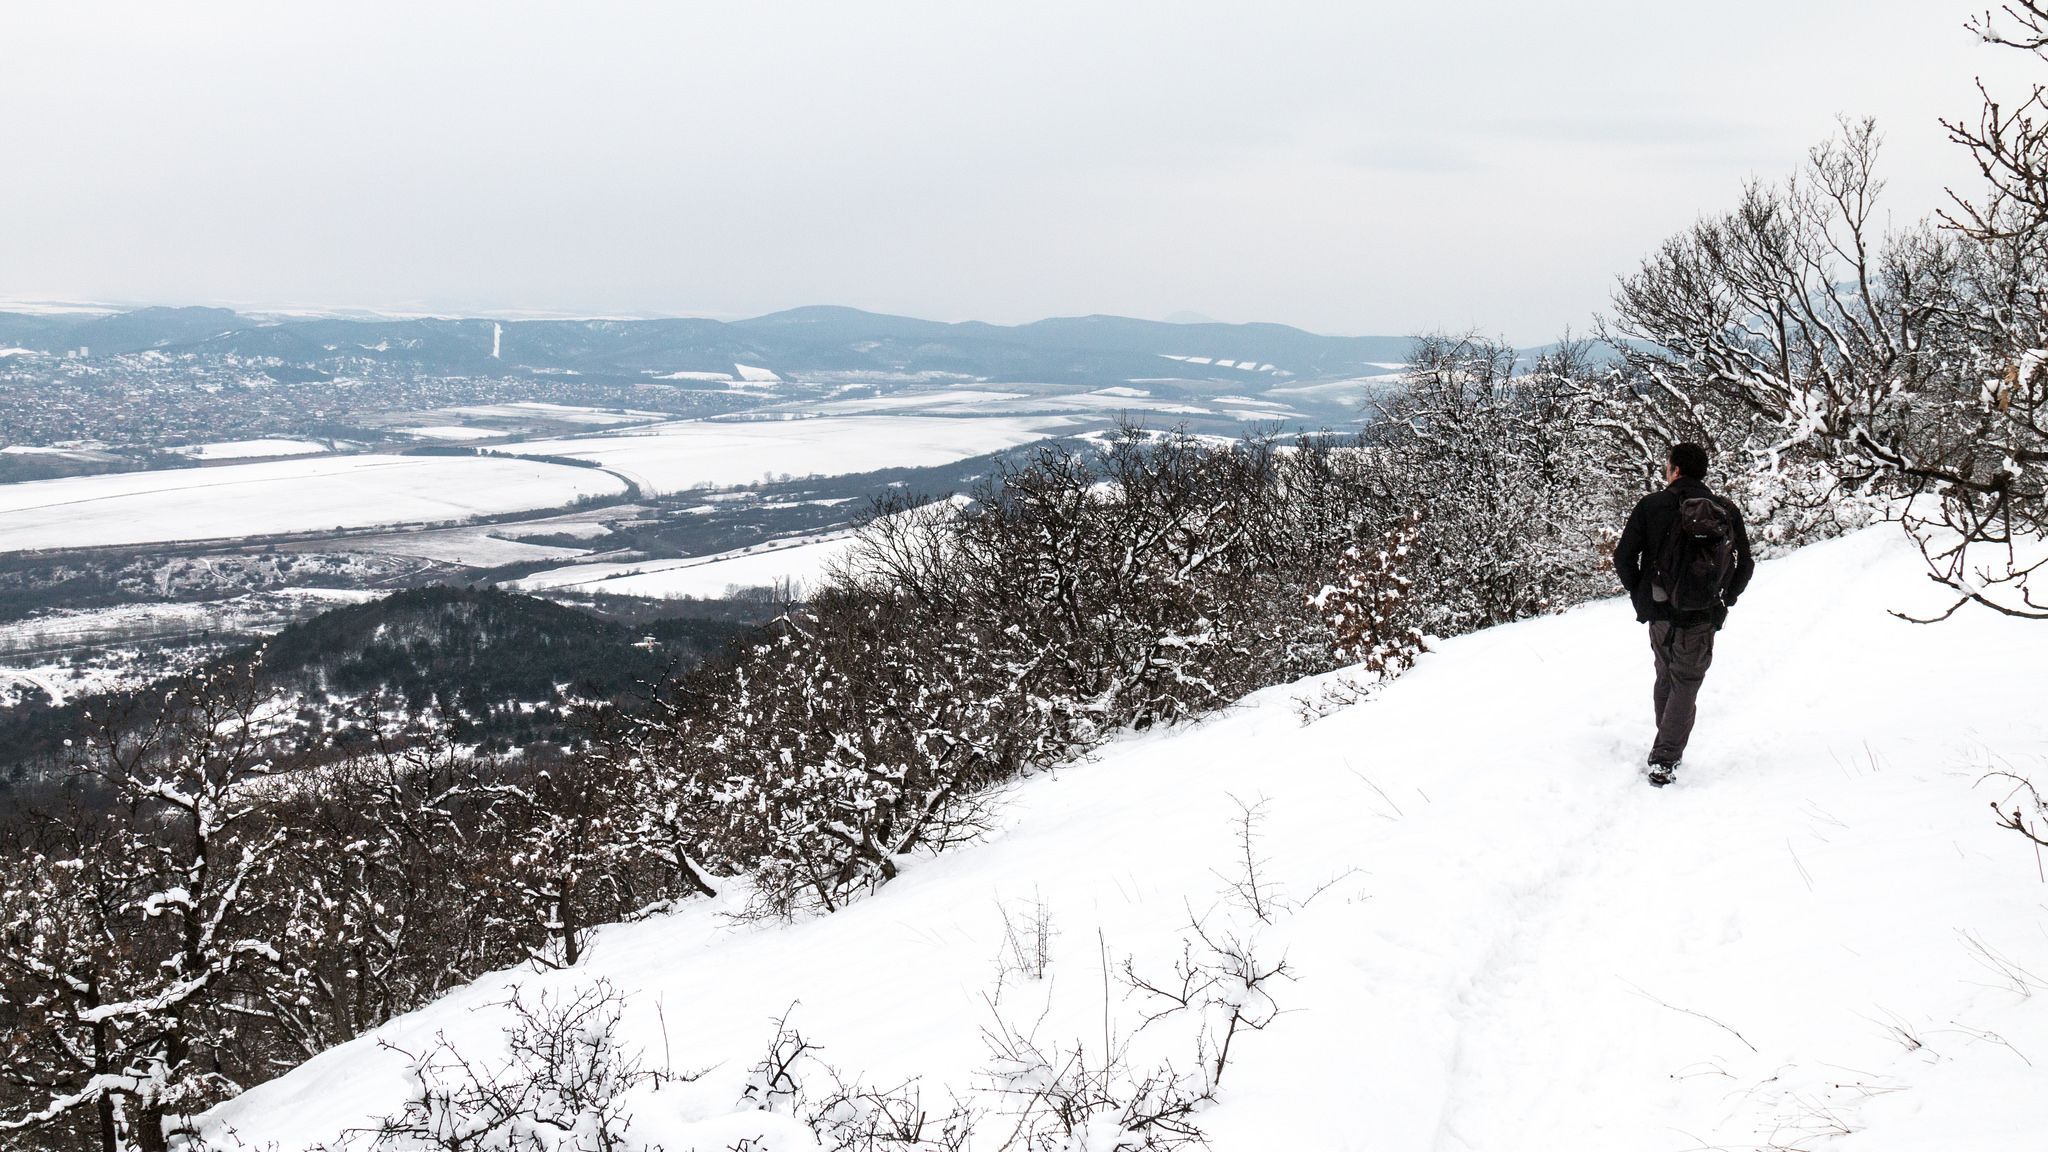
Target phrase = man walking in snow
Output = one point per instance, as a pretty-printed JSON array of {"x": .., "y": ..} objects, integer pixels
[{"x": 1684, "y": 558}]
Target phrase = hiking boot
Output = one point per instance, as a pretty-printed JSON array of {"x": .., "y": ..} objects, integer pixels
[{"x": 1661, "y": 772}]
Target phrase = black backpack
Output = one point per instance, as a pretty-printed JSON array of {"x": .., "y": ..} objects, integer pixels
[{"x": 1697, "y": 559}]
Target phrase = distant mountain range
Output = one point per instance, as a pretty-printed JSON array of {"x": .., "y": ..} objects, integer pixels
[{"x": 802, "y": 341}]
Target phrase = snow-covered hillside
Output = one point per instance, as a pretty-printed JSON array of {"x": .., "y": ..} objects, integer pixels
[{"x": 1816, "y": 939}]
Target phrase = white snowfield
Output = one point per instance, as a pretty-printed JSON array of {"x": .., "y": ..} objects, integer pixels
[
  {"x": 802, "y": 561},
  {"x": 686, "y": 454},
  {"x": 1813, "y": 940},
  {"x": 300, "y": 495},
  {"x": 451, "y": 432},
  {"x": 251, "y": 449}
]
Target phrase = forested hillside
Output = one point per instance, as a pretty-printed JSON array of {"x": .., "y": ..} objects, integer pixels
[{"x": 480, "y": 667}]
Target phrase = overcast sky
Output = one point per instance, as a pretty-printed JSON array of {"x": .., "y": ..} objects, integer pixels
[{"x": 1348, "y": 166}]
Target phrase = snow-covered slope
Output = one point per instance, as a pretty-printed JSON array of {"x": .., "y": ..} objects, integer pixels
[{"x": 1804, "y": 943}]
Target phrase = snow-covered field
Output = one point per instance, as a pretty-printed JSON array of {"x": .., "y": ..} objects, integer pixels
[
  {"x": 1815, "y": 940},
  {"x": 33, "y": 650},
  {"x": 69, "y": 627},
  {"x": 964, "y": 401},
  {"x": 451, "y": 432},
  {"x": 250, "y": 449},
  {"x": 299, "y": 495},
  {"x": 479, "y": 546},
  {"x": 1091, "y": 405},
  {"x": 802, "y": 561},
  {"x": 686, "y": 454},
  {"x": 567, "y": 413},
  {"x": 522, "y": 417}
]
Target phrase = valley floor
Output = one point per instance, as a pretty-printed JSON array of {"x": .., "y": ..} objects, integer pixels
[{"x": 1816, "y": 939}]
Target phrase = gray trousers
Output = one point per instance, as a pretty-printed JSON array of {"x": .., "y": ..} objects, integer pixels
[{"x": 1683, "y": 655}]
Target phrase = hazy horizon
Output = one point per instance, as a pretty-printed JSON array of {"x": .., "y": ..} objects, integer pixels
[
  {"x": 1348, "y": 169},
  {"x": 512, "y": 315}
]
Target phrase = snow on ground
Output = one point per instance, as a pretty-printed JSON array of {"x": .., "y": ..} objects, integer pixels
[
  {"x": 567, "y": 413},
  {"x": 1119, "y": 400},
  {"x": 1249, "y": 408},
  {"x": 306, "y": 494},
  {"x": 72, "y": 652},
  {"x": 692, "y": 453},
  {"x": 965, "y": 400},
  {"x": 45, "y": 682},
  {"x": 1811, "y": 941},
  {"x": 478, "y": 546},
  {"x": 451, "y": 432},
  {"x": 801, "y": 560},
  {"x": 248, "y": 449},
  {"x": 1356, "y": 389},
  {"x": 71, "y": 627}
]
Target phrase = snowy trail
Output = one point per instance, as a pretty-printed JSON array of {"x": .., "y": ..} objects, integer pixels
[{"x": 1525, "y": 946}]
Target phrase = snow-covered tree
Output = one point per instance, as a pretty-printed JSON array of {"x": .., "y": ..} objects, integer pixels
[
  {"x": 1518, "y": 479},
  {"x": 1845, "y": 361},
  {"x": 558, "y": 834},
  {"x": 133, "y": 936},
  {"x": 383, "y": 902},
  {"x": 1371, "y": 608},
  {"x": 851, "y": 739}
]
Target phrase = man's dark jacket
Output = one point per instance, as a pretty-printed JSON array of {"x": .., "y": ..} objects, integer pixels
[{"x": 1649, "y": 525}]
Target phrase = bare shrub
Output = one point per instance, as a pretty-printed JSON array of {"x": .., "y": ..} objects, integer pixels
[
  {"x": 848, "y": 1115},
  {"x": 564, "y": 1085}
]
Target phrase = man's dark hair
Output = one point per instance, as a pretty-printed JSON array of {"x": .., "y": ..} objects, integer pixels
[{"x": 1690, "y": 460}]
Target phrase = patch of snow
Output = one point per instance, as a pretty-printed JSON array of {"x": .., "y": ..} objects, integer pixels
[
  {"x": 529, "y": 410},
  {"x": 452, "y": 432},
  {"x": 802, "y": 561},
  {"x": 946, "y": 400},
  {"x": 72, "y": 627},
  {"x": 480, "y": 547},
  {"x": 247, "y": 449},
  {"x": 757, "y": 375}
]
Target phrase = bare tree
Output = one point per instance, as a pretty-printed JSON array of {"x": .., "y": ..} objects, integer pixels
[
  {"x": 1794, "y": 330},
  {"x": 1505, "y": 483},
  {"x": 135, "y": 933}
]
